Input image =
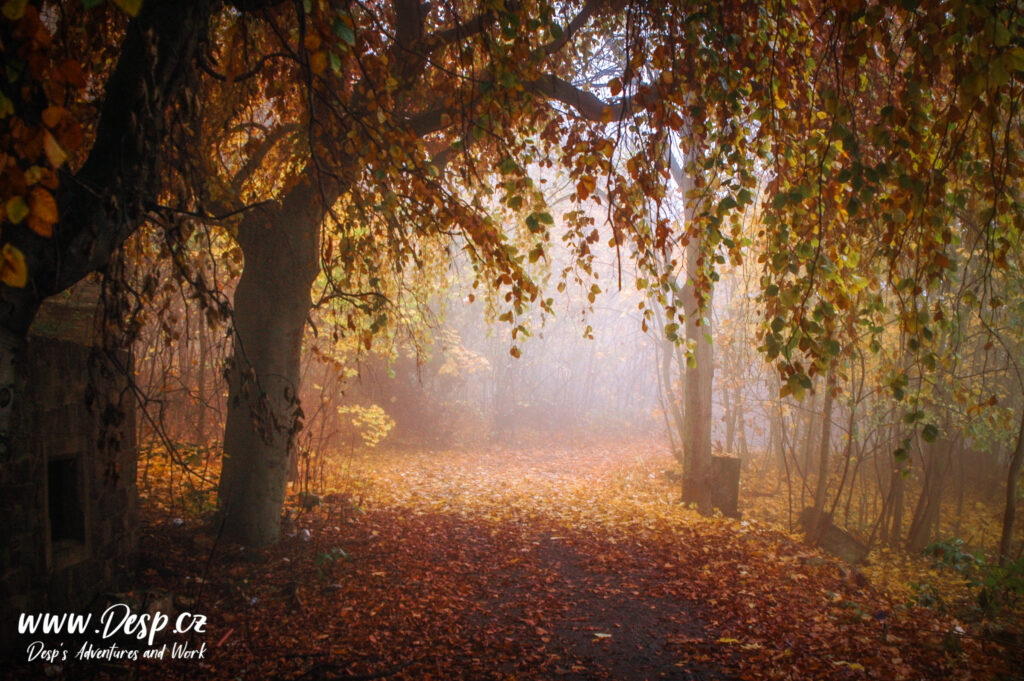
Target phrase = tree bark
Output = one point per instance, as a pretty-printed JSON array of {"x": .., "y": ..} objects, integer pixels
[
  {"x": 272, "y": 303},
  {"x": 104, "y": 202},
  {"x": 936, "y": 458},
  {"x": 1010, "y": 513},
  {"x": 697, "y": 476},
  {"x": 826, "y": 440}
]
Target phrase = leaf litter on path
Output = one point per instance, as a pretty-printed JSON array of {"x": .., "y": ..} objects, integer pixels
[{"x": 547, "y": 564}]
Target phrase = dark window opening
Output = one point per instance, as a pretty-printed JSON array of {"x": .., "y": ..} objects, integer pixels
[{"x": 67, "y": 521}]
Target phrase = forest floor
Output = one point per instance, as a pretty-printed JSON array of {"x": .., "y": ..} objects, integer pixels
[{"x": 570, "y": 564}]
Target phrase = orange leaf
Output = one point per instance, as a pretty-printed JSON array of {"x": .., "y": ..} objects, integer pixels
[
  {"x": 13, "y": 270},
  {"x": 318, "y": 62},
  {"x": 73, "y": 74},
  {"x": 43, "y": 212},
  {"x": 52, "y": 116}
]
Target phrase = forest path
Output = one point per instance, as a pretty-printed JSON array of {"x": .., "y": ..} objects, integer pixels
[
  {"x": 513, "y": 580},
  {"x": 572, "y": 564}
]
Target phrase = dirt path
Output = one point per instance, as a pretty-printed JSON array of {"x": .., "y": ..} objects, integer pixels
[
  {"x": 567, "y": 600},
  {"x": 516, "y": 566},
  {"x": 525, "y": 602}
]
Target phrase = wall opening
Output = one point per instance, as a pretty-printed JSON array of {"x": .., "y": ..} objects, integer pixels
[{"x": 67, "y": 517}]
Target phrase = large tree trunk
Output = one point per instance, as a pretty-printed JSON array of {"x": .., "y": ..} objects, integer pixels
[
  {"x": 697, "y": 476},
  {"x": 272, "y": 303},
  {"x": 105, "y": 200}
]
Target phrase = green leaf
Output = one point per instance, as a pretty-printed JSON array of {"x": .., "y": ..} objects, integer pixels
[
  {"x": 14, "y": 9},
  {"x": 17, "y": 209},
  {"x": 929, "y": 433},
  {"x": 343, "y": 30}
]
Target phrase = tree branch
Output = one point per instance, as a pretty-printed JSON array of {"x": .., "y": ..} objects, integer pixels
[
  {"x": 105, "y": 201},
  {"x": 587, "y": 104},
  {"x": 458, "y": 32},
  {"x": 254, "y": 161},
  {"x": 408, "y": 22},
  {"x": 589, "y": 9}
]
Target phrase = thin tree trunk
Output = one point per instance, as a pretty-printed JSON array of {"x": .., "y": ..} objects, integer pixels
[
  {"x": 204, "y": 359},
  {"x": 826, "y": 440},
  {"x": 926, "y": 514},
  {"x": 895, "y": 534},
  {"x": 1010, "y": 513}
]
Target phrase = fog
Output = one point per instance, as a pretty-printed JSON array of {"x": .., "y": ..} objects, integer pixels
[{"x": 448, "y": 374}]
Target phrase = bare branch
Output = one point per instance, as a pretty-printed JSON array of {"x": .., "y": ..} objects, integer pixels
[
  {"x": 246, "y": 74},
  {"x": 468, "y": 29},
  {"x": 254, "y": 161}
]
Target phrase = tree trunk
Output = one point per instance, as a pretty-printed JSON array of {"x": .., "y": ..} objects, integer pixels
[
  {"x": 697, "y": 477},
  {"x": 899, "y": 484},
  {"x": 936, "y": 457},
  {"x": 271, "y": 306},
  {"x": 826, "y": 440},
  {"x": 1010, "y": 514},
  {"x": 105, "y": 200},
  {"x": 730, "y": 423},
  {"x": 204, "y": 359}
]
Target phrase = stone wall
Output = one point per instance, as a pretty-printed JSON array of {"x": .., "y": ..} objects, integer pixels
[{"x": 68, "y": 498}]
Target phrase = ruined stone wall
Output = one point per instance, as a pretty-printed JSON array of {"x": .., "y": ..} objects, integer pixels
[{"x": 68, "y": 498}]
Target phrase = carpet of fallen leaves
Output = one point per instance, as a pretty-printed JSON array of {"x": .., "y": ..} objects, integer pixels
[{"x": 571, "y": 564}]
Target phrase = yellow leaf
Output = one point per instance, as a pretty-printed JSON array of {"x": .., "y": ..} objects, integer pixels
[
  {"x": 14, "y": 9},
  {"x": 727, "y": 640},
  {"x": 13, "y": 271},
  {"x": 16, "y": 209},
  {"x": 6, "y": 107},
  {"x": 35, "y": 174},
  {"x": 54, "y": 152},
  {"x": 129, "y": 7}
]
